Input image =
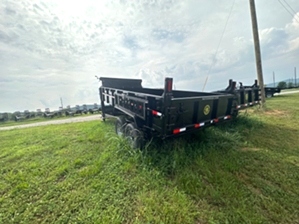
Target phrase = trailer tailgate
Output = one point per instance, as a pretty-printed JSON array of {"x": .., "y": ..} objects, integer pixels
[{"x": 189, "y": 112}]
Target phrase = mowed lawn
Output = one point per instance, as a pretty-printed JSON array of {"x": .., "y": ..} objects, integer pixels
[{"x": 241, "y": 172}]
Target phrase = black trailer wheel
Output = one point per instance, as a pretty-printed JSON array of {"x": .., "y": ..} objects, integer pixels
[
  {"x": 235, "y": 114},
  {"x": 234, "y": 111},
  {"x": 269, "y": 95},
  {"x": 134, "y": 136},
  {"x": 120, "y": 125}
]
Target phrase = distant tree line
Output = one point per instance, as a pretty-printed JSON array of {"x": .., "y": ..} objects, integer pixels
[
  {"x": 286, "y": 85},
  {"x": 78, "y": 110}
]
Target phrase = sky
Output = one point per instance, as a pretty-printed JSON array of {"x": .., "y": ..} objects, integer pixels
[{"x": 52, "y": 49}]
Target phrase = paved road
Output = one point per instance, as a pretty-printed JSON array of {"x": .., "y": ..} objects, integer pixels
[
  {"x": 289, "y": 92},
  {"x": 62, "y": 121}
]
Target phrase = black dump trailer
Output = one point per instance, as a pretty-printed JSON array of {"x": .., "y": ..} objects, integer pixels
[
  {"x": 143, "y": 113},
  {"x": 269, "y": 91}
]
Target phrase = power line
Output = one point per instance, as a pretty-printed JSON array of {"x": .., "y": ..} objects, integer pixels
[
  {"x": 290, "y": 8},
  {"x": 231, "y": 9},
  {"x": 289, "y": 11}
]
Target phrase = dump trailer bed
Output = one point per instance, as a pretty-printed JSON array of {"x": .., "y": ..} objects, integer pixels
[
  {"x": 270, "y": 91},
  {"x": 148, "y": 112}
]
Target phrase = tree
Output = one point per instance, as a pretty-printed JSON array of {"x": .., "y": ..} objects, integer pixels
[
  {"x": 282, "y": 85},
  {"x": 4, "y": 117},
  {"x": 290, "y": 85}
]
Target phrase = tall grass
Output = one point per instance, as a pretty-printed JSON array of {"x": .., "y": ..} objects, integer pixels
[{"x": 246, "y": 171}]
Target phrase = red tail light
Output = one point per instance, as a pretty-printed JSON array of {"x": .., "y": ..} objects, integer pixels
[{"x": 169, "y": 85}]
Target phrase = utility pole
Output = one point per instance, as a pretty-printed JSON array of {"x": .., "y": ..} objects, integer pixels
[
  {"x": 61, "y": 102},
  {"x": 295, "y": 77},
  {"x": 274, "y": 79},
  {"x": 257, "y": 50}
]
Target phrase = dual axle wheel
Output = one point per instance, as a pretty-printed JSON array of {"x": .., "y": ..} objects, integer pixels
[{"x": 129, "y": 131}]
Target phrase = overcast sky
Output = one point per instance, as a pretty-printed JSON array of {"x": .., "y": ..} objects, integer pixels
[{"x": 52, "y": 49}]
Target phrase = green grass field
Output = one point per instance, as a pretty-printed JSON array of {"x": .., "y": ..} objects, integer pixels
[
  {"x": 243, "y": 172},
  {"x": 39, "y": 119},
  {"x": 25, "y": 121}
]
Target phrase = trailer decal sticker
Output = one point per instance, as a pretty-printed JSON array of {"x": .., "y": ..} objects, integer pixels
[{"x": 206, "y": 110}]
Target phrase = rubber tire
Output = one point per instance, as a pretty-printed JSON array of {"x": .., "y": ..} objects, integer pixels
[
  {"x": 120, "y": 125},
  {"x": 134, "y": 136},
  {"x": 234, "y": 111}
]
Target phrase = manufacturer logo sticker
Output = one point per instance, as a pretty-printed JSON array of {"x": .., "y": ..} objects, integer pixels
[{"x": 206, "y": 109}]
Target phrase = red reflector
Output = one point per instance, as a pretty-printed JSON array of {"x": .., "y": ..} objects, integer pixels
[
  {"x": 169, "y": 85},
  {"x": 197, "y": 125},
  {"x": 216, "y": 120},
  {"x": 176, "y": 131}
]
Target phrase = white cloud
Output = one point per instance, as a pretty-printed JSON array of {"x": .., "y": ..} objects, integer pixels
[{"x": 52, "y": 48}]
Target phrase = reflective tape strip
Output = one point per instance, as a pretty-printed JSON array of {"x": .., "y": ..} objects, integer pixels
[
  {"x": 179, "y": 130},
  {"x": 199, "y": 125},
  {"x": 214, "y": 121},
  {"x": 154, "y": 112},
  {"x": 182, "y": 129}
]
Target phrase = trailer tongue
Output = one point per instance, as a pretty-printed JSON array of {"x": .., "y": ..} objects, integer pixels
[{"x": 143, "y": 113}]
